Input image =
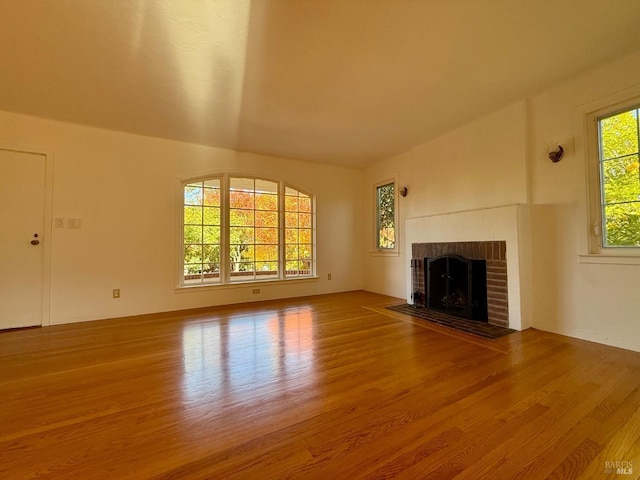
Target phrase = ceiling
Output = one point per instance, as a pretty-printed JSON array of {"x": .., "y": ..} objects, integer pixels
[{"x": 343, "y": 82}]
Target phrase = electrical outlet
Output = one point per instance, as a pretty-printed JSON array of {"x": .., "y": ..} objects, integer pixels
[
  {"x": 256, "y": 290},
  {"x": 116, "y": 293},
  {"x": 329, "y": 277},
  {"x": 58, "y": 222}
]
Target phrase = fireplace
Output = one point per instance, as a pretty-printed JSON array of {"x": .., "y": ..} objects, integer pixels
[
  {"x": 457, "y": 286},
  {"x": 495, "y": 295}
]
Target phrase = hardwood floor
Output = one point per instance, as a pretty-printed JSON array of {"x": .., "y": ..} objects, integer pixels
[{"x": 325, "y": 387}]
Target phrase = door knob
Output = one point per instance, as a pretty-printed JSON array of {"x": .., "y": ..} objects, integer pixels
[{"x": 35, "y": 242}]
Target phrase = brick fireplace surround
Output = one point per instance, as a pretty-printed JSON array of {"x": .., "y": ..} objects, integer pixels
[{"x": 494, "y": 252}]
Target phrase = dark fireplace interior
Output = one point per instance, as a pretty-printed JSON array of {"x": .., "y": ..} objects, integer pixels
[{"x": 456, "y": 286}]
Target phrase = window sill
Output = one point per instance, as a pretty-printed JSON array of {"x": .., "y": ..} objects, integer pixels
[
  {"x": 380, "y": 253},
  {"x": 610, "y": 259},
  {"x": 251, "y": 283}
]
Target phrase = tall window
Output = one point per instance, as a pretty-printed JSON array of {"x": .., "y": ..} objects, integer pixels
[
  {"x": 386, "y": 216},
  {"x": 619, "y": 178},
  {"x": 245, "y": 229}
]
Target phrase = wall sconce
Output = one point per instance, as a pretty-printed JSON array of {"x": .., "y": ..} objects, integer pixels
[
  {"x": 556, "y": 152},
  {"x": 404, "y": 191}
]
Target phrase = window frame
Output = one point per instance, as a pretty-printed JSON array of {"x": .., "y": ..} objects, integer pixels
[
  {"x": 376, "y": 230},
  {"x": 225, "y": 277},
  {"x": 595, "y": 186}
]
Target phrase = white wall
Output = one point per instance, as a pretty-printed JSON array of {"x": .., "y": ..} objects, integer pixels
[
  {"x": 124, "y": 188},
  {"x": 501, "y": 159}
]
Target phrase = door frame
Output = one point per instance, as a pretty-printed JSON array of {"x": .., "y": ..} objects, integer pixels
[{"x": 48, "y": 224}]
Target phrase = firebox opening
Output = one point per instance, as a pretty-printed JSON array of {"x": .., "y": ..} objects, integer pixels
[{"x": 456, "y": 286}]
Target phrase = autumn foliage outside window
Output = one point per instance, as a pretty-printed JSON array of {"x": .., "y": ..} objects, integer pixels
[
  {"x": 620, "y": 179},
  {"x": 252, "y": 230},
  {"x": 385, "y": 217}
]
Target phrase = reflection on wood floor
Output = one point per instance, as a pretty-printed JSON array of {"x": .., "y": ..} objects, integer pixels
[{"x": 331, "y": 386}]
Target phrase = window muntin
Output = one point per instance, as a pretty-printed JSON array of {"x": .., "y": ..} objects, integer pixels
[
  {"x": 237, "y": 229},
  {"x": 201, "y": 232},
  {"x": 619, "y": 167},
  {"x": 386, "y": 216}
]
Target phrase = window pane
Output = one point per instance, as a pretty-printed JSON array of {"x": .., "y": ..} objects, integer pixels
[
  {"x": 621, "y": 179},
  {"x": 305, "y": 220},
  {"x": 238, "y": 199},
  {"x": 292, "y": 252},
  {"x": 291, "y": 235},
  {"x": 193, "y": 215},
  {"x": 266, "y": 201},
  {"x": 241, "y": 235},
  {"x": 291, "y": 219},
  {"x": 266, "y": 186},
  {"x": 266, "y": 219},
  {"x": 619, "y": 135},
  {"x": 211, "y": 215},
  {"x": 192, "y": 234},
  {"x": 291, "y": 203},
  {"x": 241, "y": 218},
  {"x": 192, "y": 195},
  {"x": 267, "y": 235},
  {"x": 266, "y": 253},
  {"x": 212, "y": 197},
  {"x": 305, "y": 235},
  {"x": 622, "y": 225},
  {"x": 211, "y": 235},
  {"x": 305, "y": 204},
  {"x": 211, "y": 254},
  {"x": 193, "y": 254}
]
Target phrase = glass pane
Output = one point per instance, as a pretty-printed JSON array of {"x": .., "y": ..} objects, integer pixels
[
  {"x": 292, "y": 252},
  {"x": 192, "y": 234},
  {"x": 212, "y": 183},
  {"x": 193, "y": 254},
  {"x": 211, "y": 235},
  {"x": 241, "y": 218},
  {"x": 290, "y": 219},
  {"x": 241, "y": 235},
  {"x": 292, "y": 267},
  {"x": 305, "y": 220},
  {"x": 192, "y": 195},
  {"x": 193, "y": 215},
  {"x": 619, "y": 135},
  {"x": 266, "y": 235},
  {"x": 387, "y": 238},
  {"x": 211, "y": 215},
  {"x": 266, "y": 253},
  {"x": 623, "y": 225},
  {"x": 239, "y": 253},
  {"x": 239, "y": 199},
  {"x": 211, "y": 254},
  {"x": 239, "y": 267},
  {"x": 266, "y": 219},
  {"x": 305, "y": 236},
  {"x": 291, "y": 203},
  {"x": 305, "y": 204},
  {"x": 265, "y": 186},
  {"x": 291, "y": 235},
  {"x": 212, "y": 197},
  {"x": 269, "y": 267},
  {"x": 242, "y": 184},
  {"x": 266, "y": 201},
  {"x": 621, "y": 179},
  {"x": 305, "y": 252}
]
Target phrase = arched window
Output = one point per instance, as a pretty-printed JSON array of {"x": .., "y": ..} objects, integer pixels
[{"x": 239, "y": 229}]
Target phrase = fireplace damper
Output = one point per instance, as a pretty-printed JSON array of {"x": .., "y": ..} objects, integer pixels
[{"x": 457, "y": 286}]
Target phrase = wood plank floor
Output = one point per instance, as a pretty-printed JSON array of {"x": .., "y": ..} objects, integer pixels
[{"x": 325, "y": 387}]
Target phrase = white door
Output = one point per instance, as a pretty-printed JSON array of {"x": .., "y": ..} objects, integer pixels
[{"x": 22, "y": 183}]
